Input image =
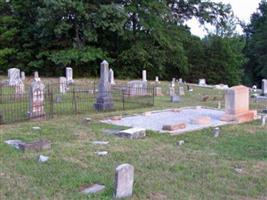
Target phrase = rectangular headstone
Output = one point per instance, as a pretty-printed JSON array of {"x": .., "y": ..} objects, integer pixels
[
  {"x": 175, "y": 99},
  {"x": 202, "y": 82},
  {"x": 62, "y": 85},
  {"x": 137, "y": 88},
  {"x": 111, "y": 77},
  {"x": 144, "y": 76},
  {"x": 22, "y": 75},
  {"x": 13, "y": 76},
  {"x": 181, "y": 91},
  {"x": 69, "y": 75},
  {"x": 36, "y": 99},
  {"x": 124, "y": 179},
  {"x": 171, "y": 91},
  {"x": 264, "y": 87}
]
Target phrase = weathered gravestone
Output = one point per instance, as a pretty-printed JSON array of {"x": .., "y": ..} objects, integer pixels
[
  {"x": 137, "y": 88},
  {"x": 62, "y": 85},
  {"x": 158, "y": 91},
  {"x": 19, "y": 89},
  {"x": 111, "y": 77},
  {"x": 69, "y": 75},
  {"x": 157, "y": 79},
  {"x": 13, "y": 76},
  {"x": 180, "y": 81},
  {"x": 104, "y": 98},
  {"x": 264, "y": 87},
  {"x": 124, "y": 179},
  {"x": 36, "y": 76},
  {"x": 181, "y": 91},
  {"x": 202, "y": 82},
  {"x": 237, "y": 105},
  {"x": 22, "y": 75},
  {"x": 144, "y": 76},
  {"x": 171, "y": 91},
  {"x": 36, "y": 94}
]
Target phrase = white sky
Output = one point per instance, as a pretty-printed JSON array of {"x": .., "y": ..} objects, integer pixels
[{"x": 242, "y": 9}]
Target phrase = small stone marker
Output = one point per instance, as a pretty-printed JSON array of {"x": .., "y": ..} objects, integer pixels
[
  {"x": 124, "y": 179},
  {"x": 263, "y": 120},
  {"x": 173, "y": 127},
  {"x": 36, "y": 146},
  {"x": 92, "y": 188},
  {"x": 14, "y": 143},
  {"x": 181, "y": 91},
  {"x": 101, "y": 153},
  {"x": 43, "y": 158},
  {"x": 22, "y": 75},
  {"x": 132, "y": 133},
  {"x": 171, "y": 91},
  {"x": 100, "y": 142},
  {"x": 158, "y": 91},
  {"x": 175, "y": 99},
  {"x": 180, "y": 143},
  {"x": 62, "y": 85},
  {"x": 36, "y": 128},
  {"x": 216, "y": 132},
  {"x": 202, "y": 82}
]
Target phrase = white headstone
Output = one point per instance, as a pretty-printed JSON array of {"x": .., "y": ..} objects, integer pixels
[
  {"x": 36, "y": 76},
  {"x": 181, "y": 91},
  {"x": 156, "y": 79},
  {"x": 69, "y": 75},
  {"x": 19, "y": 89},
  {"x": 202, "y": 82},
  {"x": 111, "y": 77},
  {"x": 137, "y": 88},
  {"x": 180, "y": 80},
  {"x": 13, "y": 76},
  {"x": 22, "y": 75},
  {"x": 37, "y": 99},
  {"x": 62, "y": 85},
  {"x": 124, "y": 179},
  {"x": 144, "y": 75}
]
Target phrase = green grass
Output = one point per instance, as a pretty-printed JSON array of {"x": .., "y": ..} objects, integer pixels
[{"x": 203, "y": 168}]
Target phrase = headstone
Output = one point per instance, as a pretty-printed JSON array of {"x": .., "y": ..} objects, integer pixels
[
  {"x": 35, "y": 146},
  {"x": 171, "y": 91},
  {"x": 101, "y": 153},
  {"x": 221, "y": 87},
  {"x": 69, "y": 75},
  {"x": 263, "y": 120},
  {"x": 157, "y": 79},
  {"x": 202, "y": 82},
  {"x": 137, "y": 88},
  {"x": 157, "y": 91},
  {"x": 19, "y": 89},
  {"x": 216, "y": 132},
  {"x": 43, "y": 158},
  {"x": 237, "y": 105},
  {"x": 144, "y": 76},
  {"x": 173, "y": 82},
  {"x": 180, "y": 81},
  {"x": 181, "y": 91},
  {"x": 111, "y": 77},
  {"x": 37, "y": 99},
  {"x": 62, "y": 85},
  {"x": 104, "y": 97},
  {"x": 264, "y": 87},
  {"x": 14, "y": 143},
  {"x": 13, "y": 76},
  {"x": 132, "y": 133},
  {"x": 22, "y": 75},
  {"x": 124, "y": 179},
  {"x": 175, "y": 99},
  {"x": 36, "y": 76}
]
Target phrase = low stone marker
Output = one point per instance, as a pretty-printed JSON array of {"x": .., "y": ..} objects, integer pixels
[
  {"x": 171, "y": 91},
  {"x": 22, "y": 76},
  {"x": 90, "y": 189},
  {"x": 181, "y": 91},
  {"x": 43, "y": 158},
  {"x": 173, "y": 127},
  {"x": 202, "y": 82},
  {"x": 101, "y": 153},
  {"x": 14, "y": 143},
  {"x": 124, "y": 179},
  {"x": 263, "y": 120},
  {"x": 100, "y": 142},
  {"x": 35, "y": 146},
  {"x": 62, "y": 85},
  {"x": 264, "y": 87},
  {"x": 180, "y": 143},
  {"x": 175, "y": 99},
  {"x": 132, "y": 133},
  {"x": 216, "y": 131}
]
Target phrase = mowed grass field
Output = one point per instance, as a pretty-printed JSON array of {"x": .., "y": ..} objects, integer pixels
[{"x": 232, "y": 166}]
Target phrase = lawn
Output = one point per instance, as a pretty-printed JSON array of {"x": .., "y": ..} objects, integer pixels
[{"x": 232, "y": 166}]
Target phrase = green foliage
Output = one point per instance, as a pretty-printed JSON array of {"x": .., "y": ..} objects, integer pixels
[
  {"x": 256, "y": 49},
  {"x": 132, "y": 35}
]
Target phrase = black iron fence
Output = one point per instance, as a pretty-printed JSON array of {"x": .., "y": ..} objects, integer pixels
[{"x": 68, "y": 99}]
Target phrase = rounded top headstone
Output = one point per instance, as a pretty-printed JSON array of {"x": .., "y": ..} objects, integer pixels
[{"x": 104, "y": 62}]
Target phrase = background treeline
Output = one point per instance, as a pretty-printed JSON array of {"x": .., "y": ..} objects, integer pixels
[{"x": 49, "y": 35}]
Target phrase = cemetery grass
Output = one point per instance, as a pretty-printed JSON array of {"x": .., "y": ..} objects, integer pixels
[{"x": 233, "y": 166}]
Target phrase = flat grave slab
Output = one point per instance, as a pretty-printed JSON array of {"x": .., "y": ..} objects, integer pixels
[{"x": 158, "y": 119}]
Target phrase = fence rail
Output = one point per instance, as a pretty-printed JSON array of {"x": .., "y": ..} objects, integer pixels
[{"x": 77, "y": 99}]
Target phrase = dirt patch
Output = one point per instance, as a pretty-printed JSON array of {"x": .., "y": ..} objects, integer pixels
[{"x": 157, "y": 196}]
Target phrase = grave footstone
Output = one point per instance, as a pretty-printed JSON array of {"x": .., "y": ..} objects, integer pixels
[
  {"x": 124, "y": 179},
  {"x": 91, "y": 189},
  {"x": 104, "y": 98},
  {"x": 132, "y": 133}
]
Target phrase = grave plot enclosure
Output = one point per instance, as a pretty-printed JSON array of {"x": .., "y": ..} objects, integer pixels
[{"x": 59, "y": 99}]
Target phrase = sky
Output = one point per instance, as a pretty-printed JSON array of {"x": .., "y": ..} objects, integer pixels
[{"x": 242, "y": 9}]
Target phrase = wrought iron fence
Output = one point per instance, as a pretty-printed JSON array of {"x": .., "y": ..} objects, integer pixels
[{"x": 75, "y": 99}]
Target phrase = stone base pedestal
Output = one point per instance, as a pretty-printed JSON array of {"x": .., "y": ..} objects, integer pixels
[
  {"x": 103, "y": 103},
  {"x": 241, "y": 117}
]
